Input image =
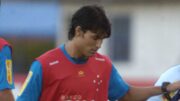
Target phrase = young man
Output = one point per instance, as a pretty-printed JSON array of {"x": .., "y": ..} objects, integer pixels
[
  {"x": 171, "y": 75},
  {"x": 6, "y": 76},
  {"x": 76, "y": 72}
]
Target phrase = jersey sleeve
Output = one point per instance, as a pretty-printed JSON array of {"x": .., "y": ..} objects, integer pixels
[
  {"x": 117, "y": 86},
  {"x": 32, "y": 86},
  {"x": 6, "y": 71}
]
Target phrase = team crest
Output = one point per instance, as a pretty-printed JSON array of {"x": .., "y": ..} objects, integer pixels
[
  {"x": 81, "y": 73},
  {"x": 9, "y": 71}
]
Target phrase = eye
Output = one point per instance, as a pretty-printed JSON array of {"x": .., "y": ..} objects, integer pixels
[{"x": 95, "y": 37}]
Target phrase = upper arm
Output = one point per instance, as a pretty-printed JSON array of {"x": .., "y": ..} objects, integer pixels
[
  {"x": 117, "y": 86},
  {"x": 32, "y": 86},
  {"x": 6, "y": 71}
]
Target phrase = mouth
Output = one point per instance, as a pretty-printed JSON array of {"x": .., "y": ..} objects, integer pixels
[{"x": 93, "y": 51}]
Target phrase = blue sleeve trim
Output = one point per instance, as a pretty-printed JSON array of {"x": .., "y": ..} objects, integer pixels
[
  {"x": 117, "y": 86},
  {"x": 34, "y": 86},
  {"x": 5, "y": 54}
]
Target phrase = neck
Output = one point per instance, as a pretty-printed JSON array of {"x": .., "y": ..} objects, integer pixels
[{"x": 72, "y": 50}]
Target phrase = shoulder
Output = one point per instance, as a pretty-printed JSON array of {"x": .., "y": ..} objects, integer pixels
[
  {"x": 50, "y": 57},
  {"x": 101, "y": 57},
  {"x": 3, "y": 40},
  {"x": 48, "y": 54},
  {"x": 101, "y": 60},
  {"x": 3, "y": 43}
]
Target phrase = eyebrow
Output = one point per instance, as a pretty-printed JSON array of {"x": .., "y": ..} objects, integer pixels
[{"x": 100, "y": 35}]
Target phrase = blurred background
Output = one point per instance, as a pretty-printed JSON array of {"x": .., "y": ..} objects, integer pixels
[{"x": 144, "y": 41}]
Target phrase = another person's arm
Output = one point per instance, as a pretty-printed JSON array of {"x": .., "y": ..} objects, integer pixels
[
  {"x": 123, "y": 92},
  {"x": 31, "y": 89},
  {"x": 143, "y": 93},
  {"x": 171, "y": 75},
  {"x": 6, "y": 75}
]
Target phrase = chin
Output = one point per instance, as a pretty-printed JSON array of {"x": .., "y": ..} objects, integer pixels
[{"x": 89, "y": 55}]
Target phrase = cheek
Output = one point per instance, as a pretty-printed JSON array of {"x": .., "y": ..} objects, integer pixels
[
  {"x": 90, "y": 42},
  {"x": 87, "y": 45}
]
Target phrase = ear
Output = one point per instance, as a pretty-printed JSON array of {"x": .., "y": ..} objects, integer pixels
[{"x": 78, "y": 31}]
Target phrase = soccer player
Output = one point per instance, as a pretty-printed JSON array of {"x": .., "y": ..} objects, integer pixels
[
  {"x": 6, "y": 75},
  {"x": 171, "y": 75},
  {"x": 74, "y": 71}
]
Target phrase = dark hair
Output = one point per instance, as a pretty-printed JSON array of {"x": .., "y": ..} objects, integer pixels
[{"x": 90, "y": 18}]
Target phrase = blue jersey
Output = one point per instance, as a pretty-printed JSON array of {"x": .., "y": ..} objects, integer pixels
[
  {"x": 6, "y": 74},
  {"x": 33, "y": 83}
]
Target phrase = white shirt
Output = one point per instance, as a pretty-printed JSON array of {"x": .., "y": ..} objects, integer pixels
[{"x": 171, "y": 75}]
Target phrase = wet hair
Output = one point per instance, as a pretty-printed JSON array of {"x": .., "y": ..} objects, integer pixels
[{"x": 90, "y": 18}]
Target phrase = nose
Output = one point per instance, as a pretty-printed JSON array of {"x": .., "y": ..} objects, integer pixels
[{"x": 99, "y": 43}]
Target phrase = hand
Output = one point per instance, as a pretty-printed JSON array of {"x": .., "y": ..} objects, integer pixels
[{"x": 174, "y": 86}]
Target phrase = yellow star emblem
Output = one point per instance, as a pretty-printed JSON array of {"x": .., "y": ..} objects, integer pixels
[{"x": 81, "y": 73}]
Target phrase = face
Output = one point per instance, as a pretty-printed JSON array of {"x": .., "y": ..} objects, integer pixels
[{"x": 88, "y": 43}]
